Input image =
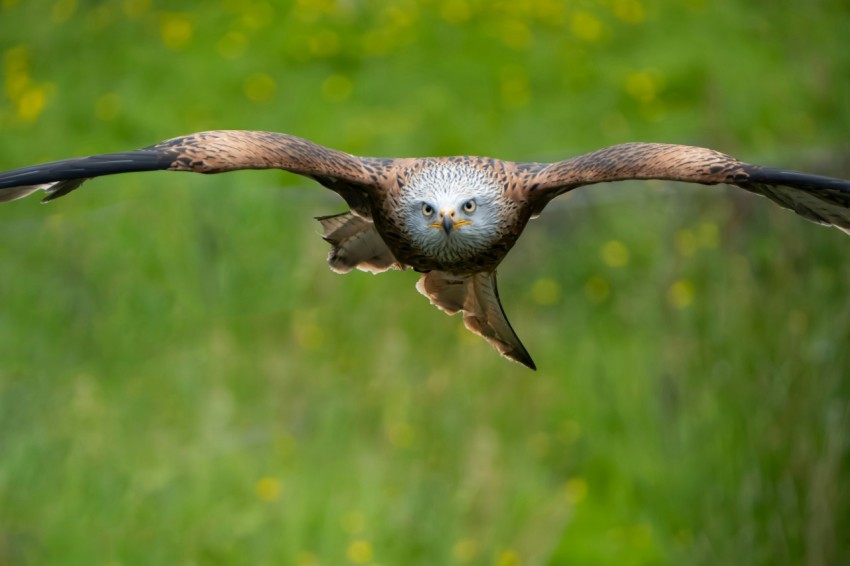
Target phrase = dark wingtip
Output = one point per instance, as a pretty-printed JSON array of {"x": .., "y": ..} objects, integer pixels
[
  {"x": 796, "y": 179},
  {"x": 69, "y": 171},
  {"x": 62, "y": 188},
  {"x": 522, "y": 357}
]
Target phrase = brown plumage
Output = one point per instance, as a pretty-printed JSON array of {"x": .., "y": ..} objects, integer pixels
[{"x": 451, "y": 218}]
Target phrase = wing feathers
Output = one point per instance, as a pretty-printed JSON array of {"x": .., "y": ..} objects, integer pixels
[
  {"x": 356, "y": 244},
  {"x": 204, "y": 152},
  {"x": 820, "y": 199},
  {"x": 61, "y": 177}
]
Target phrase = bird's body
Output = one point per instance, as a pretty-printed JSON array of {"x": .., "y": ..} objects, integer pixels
[
  {"x": 445, "y": 184},
  {"x": 453, "y": 219}
]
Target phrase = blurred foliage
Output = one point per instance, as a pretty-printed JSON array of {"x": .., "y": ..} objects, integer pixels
[{"x": 182, "y": 379}]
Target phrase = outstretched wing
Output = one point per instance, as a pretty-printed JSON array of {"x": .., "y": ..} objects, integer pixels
[
  {"x": 478, "y": 297},
  {"x": 820, "y": 199},
  {"x": 208, "y": 152}
]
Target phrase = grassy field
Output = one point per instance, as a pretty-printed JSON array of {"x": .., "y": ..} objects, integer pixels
[{"x": 183, "y": 380}]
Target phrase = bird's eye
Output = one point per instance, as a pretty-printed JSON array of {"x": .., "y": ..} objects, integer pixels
[
  {"x": 469, "y": 206},
  {"x": 427, "y": 209}
]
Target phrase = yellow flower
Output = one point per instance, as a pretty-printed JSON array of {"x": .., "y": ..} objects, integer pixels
[
  {"x": 643, "y": 86},
  {"x": 455, "y": 11},
  {"x": 63, "y": 10},
  {"x": 508, "y": 558},
  {"x": 31, "y": 103},
  {"x": 465, "y": 550},
  {"x": 681, "y": 294},
  {"x": 546, "y": 291},
  {"x": 176, "y": 30},
  {"x": 268, "y": 489},
  {"x": 615, "y": 253},
  {"x": 260, "y": 87},
  {"x": 359, "y": 552},
  {"x": 586, "y": 26},
  {"x": 629, "y": 11},
  {"x": 575, "y": 490}
]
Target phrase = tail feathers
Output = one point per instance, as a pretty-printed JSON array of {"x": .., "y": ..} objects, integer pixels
[
  {"x": 356, "y": 244},
  {"x": 61, "y": 177},
  {"x": 477, "y": 296}
]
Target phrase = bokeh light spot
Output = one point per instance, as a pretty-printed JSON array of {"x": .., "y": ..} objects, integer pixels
[
  {"x": 629, "y": 11},
  {"x": 176, "y": 30},
  {"x": 359, "y": 552},
  {"x": 455, "y": 11},
  {"x": 135, "y": 9},
  {"x": 569, "y": 432},
  {"x": 268, "y": 489},
  {"x": 643, "y": 86},
  {"x": 400, "y": 434},
  {"x": 324, "y": 43},
  {"x": 31, "y": 103},
  {"x": 681, "y": 294},
  {"x": 259, "y": 15},
  {"x": 508, "y": 558},
  {"x": 260, "y": 87},
  {"x": 575, "y": 490},
  {"x": 516, "y": 35},
  {"x": 615, "y": 253},
  {"x": 465, "y": 550},
  {"x": 63, "y": 10},
  {"x": 586, "y": 26},
  {"x": 16, "y": 67},
  {"x": 546, "y": 291},
  {"x": 708, "y": 235}
]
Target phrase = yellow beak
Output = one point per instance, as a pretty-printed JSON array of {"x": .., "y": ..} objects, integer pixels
[{"x": 448, "y": 223}]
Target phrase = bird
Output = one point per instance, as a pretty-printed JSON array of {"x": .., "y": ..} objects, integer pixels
[{"x": 452, "y": 219}]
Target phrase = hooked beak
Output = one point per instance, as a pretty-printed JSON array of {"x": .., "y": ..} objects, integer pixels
[{"x": 448, "y": 224}]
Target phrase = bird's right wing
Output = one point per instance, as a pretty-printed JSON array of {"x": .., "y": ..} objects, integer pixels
[
  {"x": 820, "y": 199},
  {"x": 209, "y": 152},
  {"x": 478, "y": 297}
]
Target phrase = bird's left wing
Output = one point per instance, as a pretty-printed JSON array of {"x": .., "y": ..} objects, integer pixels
[
  {"x": 208, "y": 152},
  {"x": 820, "y": 199},
  {"x": 478, "y": 297}
]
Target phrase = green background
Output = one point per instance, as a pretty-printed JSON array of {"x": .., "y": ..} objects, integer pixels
[{"x": 183, "y": 381}]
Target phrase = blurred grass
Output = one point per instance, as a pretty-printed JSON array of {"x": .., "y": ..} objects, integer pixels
[{"x": 182, "y": 379}]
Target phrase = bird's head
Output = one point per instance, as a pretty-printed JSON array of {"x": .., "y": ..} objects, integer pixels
[{"x": 453, "y": 211}]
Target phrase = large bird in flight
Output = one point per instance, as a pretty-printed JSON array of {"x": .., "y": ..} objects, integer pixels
[{"x": 453, "y": 219}]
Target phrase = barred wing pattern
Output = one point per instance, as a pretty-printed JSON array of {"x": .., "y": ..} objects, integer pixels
[
  {"x": 205, "y": 152},
  {"x": 820, "y": 199}
]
